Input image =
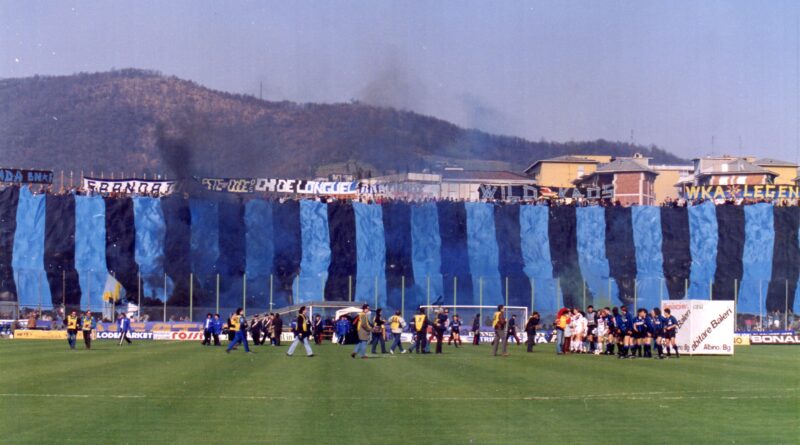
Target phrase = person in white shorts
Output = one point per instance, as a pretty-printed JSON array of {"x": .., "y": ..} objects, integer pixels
[{"x": 602, "y": 331}]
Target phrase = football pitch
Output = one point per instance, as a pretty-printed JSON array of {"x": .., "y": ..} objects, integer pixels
[{"x": 180, "y": 392}]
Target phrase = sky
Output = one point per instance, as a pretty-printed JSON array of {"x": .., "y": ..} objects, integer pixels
[{"x": 693, "y": 77}]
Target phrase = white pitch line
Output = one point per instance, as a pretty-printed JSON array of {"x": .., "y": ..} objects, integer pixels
[{"x": 660, "y": 395}]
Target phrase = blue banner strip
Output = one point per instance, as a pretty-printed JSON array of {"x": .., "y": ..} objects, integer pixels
[
  {"x": 28, "y": 258},
  {"x": 426, "y": 253},
  {"x": 483, "y": 255},
  {"x": 90, "y": 249},
  {"x": 650, "y": 285},
  {"x": 310, "y": 284},
  {"x": 757, "y": 258},
  {"x": 703, "y": 239},
  {"x": 150, "y": 234},
  {"x": 535, "y": 241},
  {"x": 590, "y": 231},
  {"x": 371, "y": 251}
]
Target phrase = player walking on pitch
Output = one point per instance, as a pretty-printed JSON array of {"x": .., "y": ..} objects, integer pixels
[
  {"x": 238, "y": 325},
  {"x": 302, "y": 332}
]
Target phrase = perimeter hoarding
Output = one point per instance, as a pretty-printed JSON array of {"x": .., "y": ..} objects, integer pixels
[
  {"x": 704, "y": 327},
  {"x": 32, "y": 334}
]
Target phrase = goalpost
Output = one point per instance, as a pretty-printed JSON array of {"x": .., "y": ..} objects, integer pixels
[{"x": 467, "y": 315}]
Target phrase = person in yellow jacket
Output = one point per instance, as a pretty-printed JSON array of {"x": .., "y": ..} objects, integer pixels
[
  {"x": 238, "y": 325},
  {"x": 72, "y": 328},
  {"x": 499, "y": 326},
  {"x": 87, "y": 326},
  {"x": 562, "y": 320},
  {"x": 397, "y": 324},
  {"x": 421, "y": 324}
]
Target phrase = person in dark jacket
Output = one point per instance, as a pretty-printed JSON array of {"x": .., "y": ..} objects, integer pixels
[
  {"x": 277, "y": 324},
  {"x": 378, "y": 331},
  {"x": 476, "y": 330},
  {"x": 440, "y": 327},
  {"x": 302, "y": 331},
  {"x": 268, "y": 328},
  {"x": 318, "y": 329},
  {"x": 530, "y": 330},
  {"x": 208, "y": 329},
  {"x": 256, "y": 325},
  {"x": 512, "y": 329},
  {"x": 217, "y": 329}
]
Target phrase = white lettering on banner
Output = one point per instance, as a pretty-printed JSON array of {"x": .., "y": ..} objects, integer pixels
[
  {"x": 704, "y": 326},
  {"x": 186, "y": 335},
  {"x": 769, "y": 339},
  {"x": 264, "y": 185},
  {"x": 162, "y": 335},
  {"x": 399, "y": 188},
  {"x": 132, "y": 335},
  {"x": 130, "y": 186},
  {"x": 527, "y": 192},
  {"x": 26, "y": 176},
  {"x": 229, "y": 185}
]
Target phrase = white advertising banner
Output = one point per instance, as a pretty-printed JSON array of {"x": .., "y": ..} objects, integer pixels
[
  {"x": 704, "y": 327},
  {"x": 131, "y": 186}
]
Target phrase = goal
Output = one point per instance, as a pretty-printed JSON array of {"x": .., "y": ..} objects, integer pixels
[{"x": 467, "y": 315}]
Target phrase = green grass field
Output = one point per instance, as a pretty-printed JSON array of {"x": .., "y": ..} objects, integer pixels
[{"x": 170, "y": 393}]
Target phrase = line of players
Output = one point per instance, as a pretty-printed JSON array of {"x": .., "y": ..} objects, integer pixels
[
  {"x": 604, "y": 331},
  {"x": 577, "y": 331}
]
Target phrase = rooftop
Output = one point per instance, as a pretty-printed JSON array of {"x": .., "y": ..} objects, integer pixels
[
  {"x": 774, "y": 162},
  {"x": 735, "y": 166},
  {"x": 567, "y": 159},
  {"x": 475, "y": 175},
  {"x": 621, "y": 165}
]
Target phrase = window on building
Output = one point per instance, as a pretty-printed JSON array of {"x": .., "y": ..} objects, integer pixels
[{"x": 580, "y": 172}]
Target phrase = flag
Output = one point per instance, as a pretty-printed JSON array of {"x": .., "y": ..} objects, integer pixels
[{"x": 112, "y": 290}]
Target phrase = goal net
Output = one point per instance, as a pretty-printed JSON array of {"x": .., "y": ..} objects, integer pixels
[{"x": 484, "y": 313}]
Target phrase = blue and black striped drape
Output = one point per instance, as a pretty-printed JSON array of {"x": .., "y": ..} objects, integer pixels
[
  {"x": 400, "y": 284},
  {"x": 56, "y": 249},
  {"x": 9, "y": 198},
  {"x": 563, "y": 239},
  {"x": 342, "y": 269},
  {"x": 59, "y": 250},
  {"x": 675, "y": 250},
  {"x": 456, "y": 275}
]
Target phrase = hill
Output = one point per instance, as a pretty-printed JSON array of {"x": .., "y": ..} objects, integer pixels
[{"x": 144, "y": 122}]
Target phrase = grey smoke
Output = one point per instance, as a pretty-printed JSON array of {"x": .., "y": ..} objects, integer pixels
[
  {"x": 479, "y": 114},
  {"x": 177, "y": 143},
  {"x": 394, "y": 86}
]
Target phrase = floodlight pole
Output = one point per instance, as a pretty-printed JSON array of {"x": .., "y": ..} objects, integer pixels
[
  {"x": 191, "y": 296},
  {"x": 533, "y": 292},
  {"x": 455, "y": 291},
  {"x": 165, "y": 297},
  {"x": 403, "y": 296},
  {"x": 506, "y": 291}
]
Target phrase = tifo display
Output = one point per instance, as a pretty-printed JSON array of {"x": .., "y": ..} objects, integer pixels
[{"x": 73, "y": 250}]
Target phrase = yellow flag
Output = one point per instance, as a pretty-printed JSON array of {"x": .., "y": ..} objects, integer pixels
[{"x": 111, "y": 291}]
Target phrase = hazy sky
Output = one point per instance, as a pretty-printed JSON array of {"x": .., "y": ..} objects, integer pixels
[{"x": 675, "y": 73}]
